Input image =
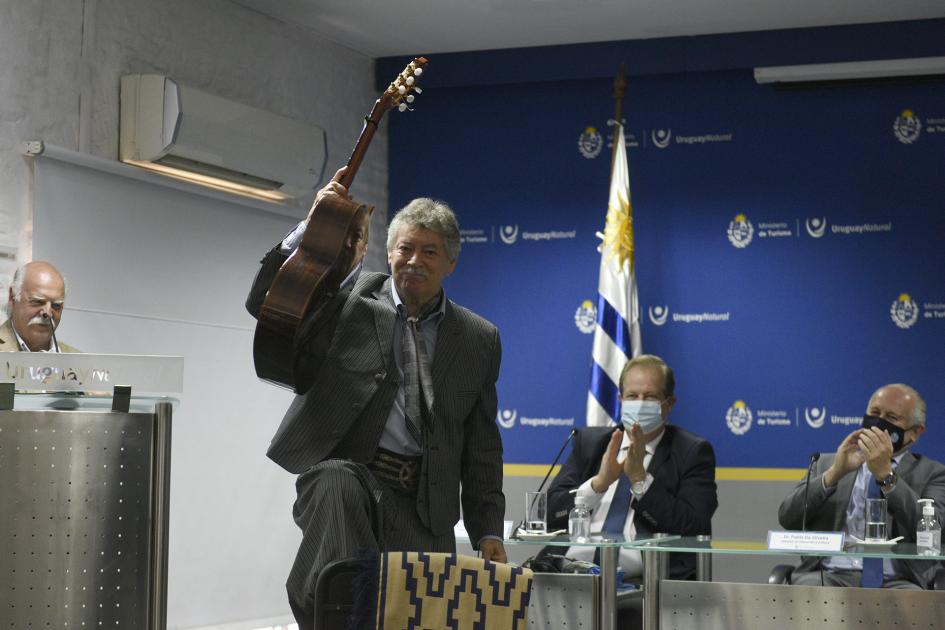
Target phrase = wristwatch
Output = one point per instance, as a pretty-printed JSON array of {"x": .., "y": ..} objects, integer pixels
[
  {"x": 638, "y": 488},
  {"x": 887, "y": 482}
]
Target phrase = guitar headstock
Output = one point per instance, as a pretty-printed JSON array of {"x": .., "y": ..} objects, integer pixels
[{"x": 402, "y": 90}]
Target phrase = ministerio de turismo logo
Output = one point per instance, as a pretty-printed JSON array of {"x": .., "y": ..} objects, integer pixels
[
  {"x": 590, "y": 143},
  {"x": 907, "y": 127},
  {"x": 740, "y": 231},
  {"x": 904, "y": 311},
  {"x": 585, "y": 318},
  {"x": 738, "y": 418}
]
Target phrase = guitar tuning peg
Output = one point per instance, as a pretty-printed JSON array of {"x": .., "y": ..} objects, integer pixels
[
  {"x": 410, "y": 98},
  {"x": 401, "y": 89},
  {"x": 410, "y": 80},
  {"x": 417, "y": 72},
  {"x": 402, "y": 107}
]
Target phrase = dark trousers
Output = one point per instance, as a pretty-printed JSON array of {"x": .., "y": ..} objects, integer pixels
[{"x": 341, "y": 508}]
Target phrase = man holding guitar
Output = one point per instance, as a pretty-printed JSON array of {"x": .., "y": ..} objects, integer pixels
[{"x": 394, "y": 427}]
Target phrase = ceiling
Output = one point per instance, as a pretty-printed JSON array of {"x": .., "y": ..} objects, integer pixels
[{"x": 383, "y": 28}]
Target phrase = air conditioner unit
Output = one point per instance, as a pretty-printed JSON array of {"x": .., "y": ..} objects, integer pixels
[{"x": 184, "y": 132}]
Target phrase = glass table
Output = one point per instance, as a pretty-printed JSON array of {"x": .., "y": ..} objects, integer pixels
[
  {"x": 837, "y": 602},
  {"x": 609, "y": 552},
  {"x": 658, "y": 589}
]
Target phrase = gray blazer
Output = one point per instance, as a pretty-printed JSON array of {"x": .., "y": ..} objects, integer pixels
[
  {"x": 919, "y": 477},
  {"x": 355, "y": 381}
]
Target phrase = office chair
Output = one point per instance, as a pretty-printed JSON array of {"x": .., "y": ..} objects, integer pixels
[{"x": 334, "y": 594}]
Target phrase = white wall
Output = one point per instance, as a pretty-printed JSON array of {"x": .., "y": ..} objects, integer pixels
[
  {"x": 62, "y": 61},
  {"x": 59, "y": 82}
]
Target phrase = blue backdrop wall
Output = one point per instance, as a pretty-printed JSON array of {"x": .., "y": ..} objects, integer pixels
[{"x": 790, "y": 242}]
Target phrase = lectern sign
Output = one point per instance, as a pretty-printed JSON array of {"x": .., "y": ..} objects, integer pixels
[{"x": 77, "y": 372}]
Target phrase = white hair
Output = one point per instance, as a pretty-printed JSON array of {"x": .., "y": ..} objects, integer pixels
[
  {"x": 431, "y": 215},
  {"x": 16, "y": 285},
  {"x": 918, "y": 408}
]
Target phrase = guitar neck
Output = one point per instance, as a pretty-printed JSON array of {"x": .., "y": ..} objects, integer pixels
[
  {"x": 371, "y": 122},
  {"x": 397, "y": 95}
]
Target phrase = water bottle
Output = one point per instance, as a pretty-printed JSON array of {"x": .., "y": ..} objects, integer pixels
[
  {"x": 928, "y": 535},
  {"x": 579, "y": 521}
]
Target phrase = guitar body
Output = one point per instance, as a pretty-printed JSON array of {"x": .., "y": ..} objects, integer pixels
[
  {"x": 310, "y": 276},
  {"x": 313, "y": 273}
]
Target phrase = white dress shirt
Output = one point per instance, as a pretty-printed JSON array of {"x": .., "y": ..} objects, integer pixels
[{"x": 599, "y": 503}]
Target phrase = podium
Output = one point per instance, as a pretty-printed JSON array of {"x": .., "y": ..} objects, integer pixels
[{"x": 84, "y": 490}]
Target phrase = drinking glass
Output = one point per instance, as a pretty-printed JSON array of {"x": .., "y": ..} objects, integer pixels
[
  {"x": 536, "y": 507},
  {"x": 875, "y": 520}
]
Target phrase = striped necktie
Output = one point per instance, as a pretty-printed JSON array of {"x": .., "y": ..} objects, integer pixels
[{"x": 418, "y": 383}]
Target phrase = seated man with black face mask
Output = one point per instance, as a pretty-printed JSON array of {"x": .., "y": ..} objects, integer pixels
[{"x": 874, "y": 460}]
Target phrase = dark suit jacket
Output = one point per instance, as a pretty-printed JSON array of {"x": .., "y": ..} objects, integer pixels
[
  {"x": 919, "y": 477},
  {"x": 356, "y": 379},
  {"x": 681, "y": 499}
]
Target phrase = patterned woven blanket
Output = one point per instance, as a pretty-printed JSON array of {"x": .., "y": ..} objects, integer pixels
[{"x": 435, "y": 591}]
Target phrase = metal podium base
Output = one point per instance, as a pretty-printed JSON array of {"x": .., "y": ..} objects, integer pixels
[{"x": 82, "y": 499}]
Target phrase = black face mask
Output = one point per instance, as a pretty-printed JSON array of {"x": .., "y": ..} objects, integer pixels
[{"x": 896, "y": 434}]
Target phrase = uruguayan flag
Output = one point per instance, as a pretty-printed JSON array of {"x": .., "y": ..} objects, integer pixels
[{"x": 617, "y": 334}]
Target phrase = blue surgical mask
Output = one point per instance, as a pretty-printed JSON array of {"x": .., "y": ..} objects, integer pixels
[{"x": 646, "y": 413}]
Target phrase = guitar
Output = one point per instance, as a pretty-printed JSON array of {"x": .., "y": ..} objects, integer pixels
[{"x": 325, "y": 256}]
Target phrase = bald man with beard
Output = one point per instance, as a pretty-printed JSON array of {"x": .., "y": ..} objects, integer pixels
[{"x": 36, "y": 299}]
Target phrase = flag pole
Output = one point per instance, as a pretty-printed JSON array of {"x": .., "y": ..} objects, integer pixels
[
  {"x": 617, "y": 330},
  {"x": 620, "y": 86}
]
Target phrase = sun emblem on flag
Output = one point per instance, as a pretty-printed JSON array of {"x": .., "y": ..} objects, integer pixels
[{"x": 617, "y": 238}]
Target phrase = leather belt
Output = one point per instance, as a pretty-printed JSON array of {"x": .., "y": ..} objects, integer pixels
[{"x": 393, "y": 469}]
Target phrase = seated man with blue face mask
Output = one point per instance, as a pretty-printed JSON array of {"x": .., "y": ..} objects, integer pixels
[{"x": 642, "y": 478}]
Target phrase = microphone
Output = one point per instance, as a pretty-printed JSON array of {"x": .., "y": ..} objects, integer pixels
[
  {"x": 548, "y": 474},
  {"x": 557, "y": 457},
  {"x": 810, "y": 469},
  {"x": 52, "y": 327}
]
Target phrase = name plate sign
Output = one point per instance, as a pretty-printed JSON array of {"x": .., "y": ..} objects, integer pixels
[
  {"x": 805, "y": 541},
  {"x": 83, "y": 372}
]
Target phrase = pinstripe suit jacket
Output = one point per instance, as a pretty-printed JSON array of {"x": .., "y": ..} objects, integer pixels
[{"x": 356, "y": 379}]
